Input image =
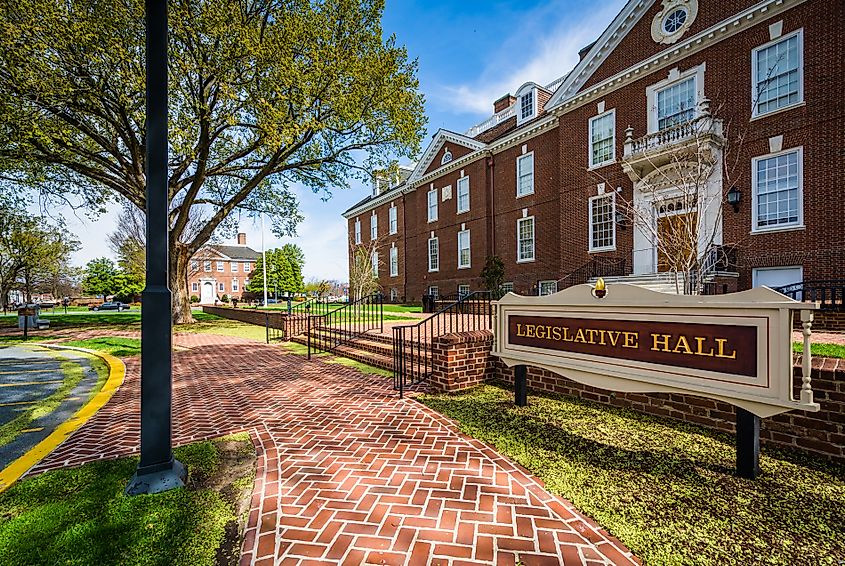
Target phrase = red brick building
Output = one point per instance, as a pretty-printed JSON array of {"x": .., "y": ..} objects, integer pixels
[
  {"x": 583, "y": 175},
  {"x": 218, "y": 269}
]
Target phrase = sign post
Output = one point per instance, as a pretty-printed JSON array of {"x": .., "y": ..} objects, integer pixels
[{"x": 734, "y": 348}]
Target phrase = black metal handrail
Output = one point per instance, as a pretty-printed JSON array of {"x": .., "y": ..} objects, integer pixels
[
  {"x": 829, "y": 293},
  {"x": 328, "y": 331},
  {"x": 312, "y": 306},
  {"x": 412, "y": 342},
  {"x": 596, "y": 267}
]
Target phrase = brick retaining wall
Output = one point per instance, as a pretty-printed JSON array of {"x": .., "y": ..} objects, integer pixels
[
  {"x": 291, "y": 325},
  {"x": 461, "y": 361}
]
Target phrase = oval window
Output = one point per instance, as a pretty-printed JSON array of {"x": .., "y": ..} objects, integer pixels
[{"x": 674, "y": 20}]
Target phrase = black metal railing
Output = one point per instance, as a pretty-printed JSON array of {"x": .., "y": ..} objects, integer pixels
[
  {"x": 312, "y": 306},
  {"x": 830, "y": 293},
  {"x": 412, "y": 342},
  {"x": 332, "y": 329},
  {"x": 596, "y": 267}
]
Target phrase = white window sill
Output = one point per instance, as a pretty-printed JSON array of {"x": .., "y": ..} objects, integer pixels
[
  {"x": 462, "y": 211},
  {"x": 525, "y": 194},
  {"x": 600, "y": 250},
  {"x": 600, "y": 165},
  {"x": 525, "y": 260},
  {"x": 394, "y": 275},
  {"x": 464, "y": 267},
  {"x": 778, "y": 111},
  {"x": 434, "y": 270},
  {"x": 393, "y": 233},
  {"x": 791, "y": 228},
  {"x": 430, "y": 220}
]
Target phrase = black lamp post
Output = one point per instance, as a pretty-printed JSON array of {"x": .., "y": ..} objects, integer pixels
[
  {"x": 157, "y": 471},
  {"x": 734, "y": 198}
]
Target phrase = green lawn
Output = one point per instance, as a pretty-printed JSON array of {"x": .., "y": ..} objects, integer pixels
[
  {"x": 80, "y": 516},
  {"x": 665, "y": 489},
  {"x": 116, "y": 346},
  {"x": 822, "y": 350}
]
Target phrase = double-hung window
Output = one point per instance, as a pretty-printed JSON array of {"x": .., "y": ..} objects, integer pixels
[
  {"x": 206, "y": 265},
  {"x": 463, "y": 194},
  {"x": 195, "y": 287},
  {"x": 373, "y": 227},
  {"x": 777, "y": 71},
  {"x": 525, "y": 174},
  {"x": 547, "y": 287},
  {"x": 464, "y": 257},
  {"x": 392, "y": 220},
  {"x": 394, "y": 262},
  {"x": 603, "y": 223},
  {"x": 234, "y": 266},
  {"x": 676, "y": 103},
  {"x": 234, "y": 285},
  {"x": 433, "y": 254},
  {"x": 374, "y": 259},
  {"x": 777, "y": 195},
  {"x": 507, "y": 287},
  {"x": 602, "y": 137},
  {"x": 220, "y": 266},
  {"x": 432, "y": 205},
  {"x": 525, "y": 239},
  {"x": 463, "y": 291},
  {"x": 357, "y": 231},
  {"x": 246, "y": 267},
  {"x": 526, "y": 105}
]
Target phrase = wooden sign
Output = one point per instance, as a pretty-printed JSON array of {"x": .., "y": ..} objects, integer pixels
[
  {"x": 735, "y": 348},
  {"x": 26, "y": 311}
]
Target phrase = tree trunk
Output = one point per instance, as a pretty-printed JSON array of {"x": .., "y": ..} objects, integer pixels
[{"x": 181, "y": 302}]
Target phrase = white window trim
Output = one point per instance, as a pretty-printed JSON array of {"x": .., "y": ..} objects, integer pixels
[
  {"x": 533, "y": 173},
  {"x": 428, "y": 206},
  {"x": 519, "y": 118},
  {"x": 374, "y": 263},
  {"x": 392, "y": 220},
  {"x": 591, "y": 249},
  {"x": 220, "y": 267},
  {"x": 206, "y": 266},
  {"x": 590, "y": 141},
  {"x": 428, "y": 250},
  {"x": 373, "y": 227},
  {"x": 235, "y": 287},
  {"x": 458, "y": 191},
  {"x": 651, "y": 93},
  {"x": 786, "y": 227},
  {"x": 233, "y": 266},
  {"x": 540, "y": 285},
  {"x": 195, "y": 287},
  {"x": 357, "y": 231},
  {"x": 533, "y": 239},
  {"x": 754, "y": 106},
  {"x": 756, "y": 270},
  {"x": 247, "y": 267},
  {"x": 394, "y": 254},
  {"x": 469, "y": 248}
]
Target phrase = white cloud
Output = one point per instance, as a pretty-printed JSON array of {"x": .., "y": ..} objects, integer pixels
[{"x": 547, "y": 57}]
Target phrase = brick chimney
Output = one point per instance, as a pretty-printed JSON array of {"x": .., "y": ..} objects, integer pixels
[
  {"x": 584, "y": 50},
  {"x": 503, "y": 103},
  {"x": 241, "y": 238}
]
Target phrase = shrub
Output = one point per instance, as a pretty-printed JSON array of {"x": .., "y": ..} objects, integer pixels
[
  {"x": 195, "y": 299},
  {"x": 225, "y": 298}
]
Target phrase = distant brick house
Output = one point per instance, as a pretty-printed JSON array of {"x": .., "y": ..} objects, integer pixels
[
  {"x": 540, "y": 181},
  {"x": 221, "y": 269}
]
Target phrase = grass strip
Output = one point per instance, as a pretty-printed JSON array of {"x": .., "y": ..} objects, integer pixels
[
  {"x": 113, "y": 345},
  {"x": 73, "y": 373},
  {"x": 80, "y": 516},
  {"x": 821, "y": 350},
  {"x": 666, "y": 489}
]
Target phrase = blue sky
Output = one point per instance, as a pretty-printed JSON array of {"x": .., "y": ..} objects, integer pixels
[{"x": 470, "y": 53}]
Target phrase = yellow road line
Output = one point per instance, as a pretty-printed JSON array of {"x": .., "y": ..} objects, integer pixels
[
  {"x": 10, "y": 404},
  {"x": 37, "y": 429},
  {"x": 117, "y": 371},
  {"x": 25, "y": 383},
  {"x": 28, "y": 371}
]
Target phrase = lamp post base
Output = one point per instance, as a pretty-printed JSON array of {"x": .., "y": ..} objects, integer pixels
[{"x": 157, "y": 479}]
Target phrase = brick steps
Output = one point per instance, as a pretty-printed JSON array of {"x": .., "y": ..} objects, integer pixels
[{"x": 373, "y": 349}]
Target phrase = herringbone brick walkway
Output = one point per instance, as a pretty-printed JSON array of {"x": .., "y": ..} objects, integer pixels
[{"x": 347, "y": 472}]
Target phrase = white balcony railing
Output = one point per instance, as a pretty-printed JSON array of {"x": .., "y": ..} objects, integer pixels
[
  {"x": 492, "y": 121},
  {"x": 703, "y": 125}
]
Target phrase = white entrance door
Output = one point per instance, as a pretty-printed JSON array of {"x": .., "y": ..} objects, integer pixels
[
  {"x": 207, "y": 296},
  {"x": 777, "y": 276}
]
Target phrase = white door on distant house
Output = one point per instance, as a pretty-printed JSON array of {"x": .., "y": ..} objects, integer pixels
[
  {"x": 777, "y": 276},
  {"x": 207, "y": 296}
]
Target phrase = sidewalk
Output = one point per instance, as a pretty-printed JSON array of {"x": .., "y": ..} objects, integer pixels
[{"x": 347, "y": 472}]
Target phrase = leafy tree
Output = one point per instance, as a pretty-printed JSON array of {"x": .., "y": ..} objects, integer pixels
[
  {"x": 493, "y": 274},
  {"x": 264, "y": 94},
  {"x": 284, "y": 271},
  {"x": 100, "y": 274},
  {"x": 129, "y": 243},
  {"x": 33, "y": 250},
  {"x": 296, "y": 261},
  {"x": 362, "y": 280}
]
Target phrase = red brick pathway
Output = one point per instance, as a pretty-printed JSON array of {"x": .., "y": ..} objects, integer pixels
[{"x": 347, "y": 472}]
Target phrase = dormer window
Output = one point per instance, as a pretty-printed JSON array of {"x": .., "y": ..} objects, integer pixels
[
  {"x": 526, "y": 105},
  {"x": 447, "y": 156}
]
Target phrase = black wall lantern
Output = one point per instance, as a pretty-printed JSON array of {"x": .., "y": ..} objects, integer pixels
[
  {"x": 621, "y": 219},
  {"x": 734, "y": 198}
]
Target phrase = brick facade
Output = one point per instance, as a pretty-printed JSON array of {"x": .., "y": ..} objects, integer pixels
[
  {"x": 463, "y": 360},
  {"x": 618, "y": 80},
  {"x": 217, "y": 270}
]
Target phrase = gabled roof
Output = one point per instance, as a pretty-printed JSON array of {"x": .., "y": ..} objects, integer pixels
[
  {"x": 232, "y": 251},
  {"x": 441, "y": 137},
  {"x": 374, "y": 200},
  {"x": 624, "y": 21}
]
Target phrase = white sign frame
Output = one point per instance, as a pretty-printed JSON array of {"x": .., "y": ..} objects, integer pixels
[{"x": 767, "y": 393}]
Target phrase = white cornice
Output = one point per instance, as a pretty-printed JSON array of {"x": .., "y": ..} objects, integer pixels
[
  {"x": 726, "y": 28},
  {"x": 442, "y": 136},
  {"x": 368, "y": 205}
]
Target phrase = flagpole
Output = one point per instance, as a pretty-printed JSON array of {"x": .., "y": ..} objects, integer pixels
[{"x": 263, "y": 260}]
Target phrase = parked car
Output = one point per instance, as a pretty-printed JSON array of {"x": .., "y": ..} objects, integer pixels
[{"x": 110, "y": 306}]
